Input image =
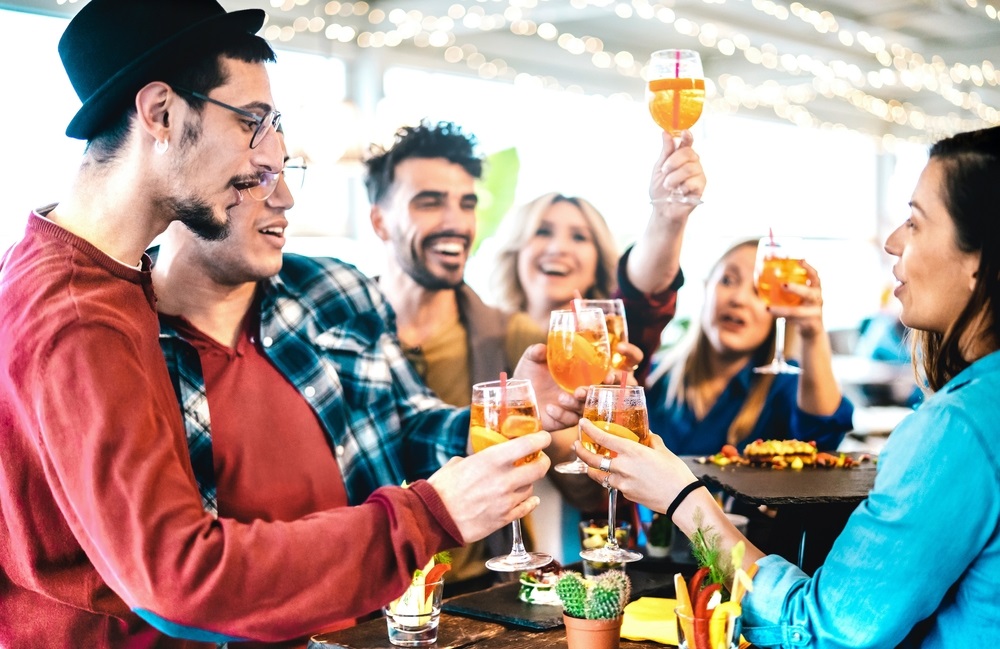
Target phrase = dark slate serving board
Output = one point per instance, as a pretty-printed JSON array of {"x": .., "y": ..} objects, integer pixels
[{"x": 808, "y": 486}]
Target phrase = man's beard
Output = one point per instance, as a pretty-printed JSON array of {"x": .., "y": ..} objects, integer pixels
[
  {"x": 196, "y": 214},
  {"x": 413, "y": 265},
  {"x": 200, "y": 219}
]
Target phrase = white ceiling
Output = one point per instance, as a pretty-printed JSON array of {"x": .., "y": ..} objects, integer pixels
[{"x": 841, "y": 84}]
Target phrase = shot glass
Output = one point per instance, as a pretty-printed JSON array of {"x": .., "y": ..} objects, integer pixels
[
  {"x": 594, "y": 534},
  {"x": 412, "y": 620},
  {"x": 721, "y": 631}
]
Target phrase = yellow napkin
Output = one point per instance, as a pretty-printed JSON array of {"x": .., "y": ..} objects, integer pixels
[{"x": 651, "y": 618}]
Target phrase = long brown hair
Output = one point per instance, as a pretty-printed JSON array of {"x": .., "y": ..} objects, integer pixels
[
  {"x": 971, "y": 194},
  {"x": 690, "y": 357}
]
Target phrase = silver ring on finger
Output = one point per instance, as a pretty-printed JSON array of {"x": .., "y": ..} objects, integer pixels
[
  {"x": 606, "y": 465},
  {"x": 606, "y": 483}
]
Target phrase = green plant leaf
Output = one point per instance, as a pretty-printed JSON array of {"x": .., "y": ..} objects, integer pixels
[{"x": 496, "y": 192}]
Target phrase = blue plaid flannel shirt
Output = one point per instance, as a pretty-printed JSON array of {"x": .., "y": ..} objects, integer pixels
[{"x": 328, "y": 329}]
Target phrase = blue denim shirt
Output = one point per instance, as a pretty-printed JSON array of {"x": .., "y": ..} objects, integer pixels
[
  {"x": 918, "y": 564},
  {"x": 780, "y": 418}
]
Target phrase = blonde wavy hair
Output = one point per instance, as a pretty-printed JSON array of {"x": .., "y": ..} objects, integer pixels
[
  {"x": 688, "y": 384},
  {"x": 519, "y": 226}
]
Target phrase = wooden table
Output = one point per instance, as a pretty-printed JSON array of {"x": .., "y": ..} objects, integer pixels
[
  {"x": 513, "y": 624},
  {"x": 813, "y": 504}
]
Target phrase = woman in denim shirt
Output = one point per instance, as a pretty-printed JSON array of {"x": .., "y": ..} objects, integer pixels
[{"x": 918, "y": 564}]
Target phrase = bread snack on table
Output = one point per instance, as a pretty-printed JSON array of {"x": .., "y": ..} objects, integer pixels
[
  {"x": 778, "y": 451},
  {"x": 782, "y": 454}
]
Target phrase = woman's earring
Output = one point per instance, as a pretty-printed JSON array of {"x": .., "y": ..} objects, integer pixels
[{"x": 161, "y": 147}]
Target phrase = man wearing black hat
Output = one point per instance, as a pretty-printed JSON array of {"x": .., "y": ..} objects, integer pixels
[{"x": 103, "y": 538}]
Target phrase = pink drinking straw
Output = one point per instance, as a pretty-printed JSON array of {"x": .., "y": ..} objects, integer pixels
[
  {"x": 576, "y": 314},
  {"x": 503, "y": 397},
  {"x": 677, "y": 98},
  {"x": 770, "y": 234}
]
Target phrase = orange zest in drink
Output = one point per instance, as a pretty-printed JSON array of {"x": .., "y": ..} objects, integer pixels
[
  {"x": 487, "y": 429},
  {"x": 775, "y": 272},
  {"x": 576, "y": 359},
  {"x": 676, "y": 104}
]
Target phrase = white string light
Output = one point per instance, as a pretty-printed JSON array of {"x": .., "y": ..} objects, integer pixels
[{"x": 833, "y": 79}]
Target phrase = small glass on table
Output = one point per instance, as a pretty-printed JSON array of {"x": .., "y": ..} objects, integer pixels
[
  {"x": 504, "y": 410},
  {"x": 594, "y": 534},
  {"x": 413, "y": 618}
]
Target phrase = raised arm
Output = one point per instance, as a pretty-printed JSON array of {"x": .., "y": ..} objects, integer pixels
[
  {"x": 819, "y": 393},
  {"x": 655, "y": 258}
]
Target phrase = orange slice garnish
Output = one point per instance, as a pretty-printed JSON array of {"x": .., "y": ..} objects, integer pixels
[
  {"x": 483, "y": 438},
  {"x": 518, "y": 425}
]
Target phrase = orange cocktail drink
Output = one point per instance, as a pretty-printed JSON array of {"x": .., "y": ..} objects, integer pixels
[
  {"x": 630, "y": 422},
  {"x": 578, "y": 352},
  {"x": 489, "y": 425},
  {"x": 676, "y": 104},
  {"x": 774, "y": 273}
]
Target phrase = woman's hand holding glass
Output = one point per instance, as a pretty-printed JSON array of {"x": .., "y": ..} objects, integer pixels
[
  {"x": 678, "y": 169},
  {"x": 621, "y": 411},
  {"x": 808, "y": 315}
]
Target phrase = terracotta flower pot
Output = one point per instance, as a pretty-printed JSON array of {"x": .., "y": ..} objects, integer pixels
[{"x": 592, "y": 634}]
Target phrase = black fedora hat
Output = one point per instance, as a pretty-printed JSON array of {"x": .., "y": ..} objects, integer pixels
[{"x": 112, "y": 48}]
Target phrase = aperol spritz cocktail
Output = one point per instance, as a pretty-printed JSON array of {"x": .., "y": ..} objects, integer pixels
[
  {"x": 614, "y": 320},
  {"x": 620, "y": 411},
  {"x": 578, "y": 350},
  {"x": 500, "y": 411},
  {"x": 779, "y": 263},
  {"x": 675, "y": 89},
  {"x": 675, "y": 94},
  {"x": 776, "y": 272}
]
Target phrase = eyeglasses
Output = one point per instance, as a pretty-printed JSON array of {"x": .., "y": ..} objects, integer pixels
[
  {"x": 264, "y": 124},
  {"x": 294, "y": 172}
]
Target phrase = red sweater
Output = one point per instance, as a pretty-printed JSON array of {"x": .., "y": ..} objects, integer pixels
[{"x": 101, "y": 526}]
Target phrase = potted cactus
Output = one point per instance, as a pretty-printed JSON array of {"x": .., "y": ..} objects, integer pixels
[{"x": 592, "y": 610}]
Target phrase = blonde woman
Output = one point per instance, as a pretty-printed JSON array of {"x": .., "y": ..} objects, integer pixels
[
  {"x": 704, "y": 394},
  {"x": 550, "y": 248},
  {"x": 556, "y": 245}
]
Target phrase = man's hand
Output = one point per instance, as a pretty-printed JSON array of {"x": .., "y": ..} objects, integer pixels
[
  {"x": 557, "y": 408},
  {"x": 485, "y": 491}
]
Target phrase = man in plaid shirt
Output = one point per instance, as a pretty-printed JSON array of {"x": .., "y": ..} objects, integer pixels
[{"x": 295, "y": 393}]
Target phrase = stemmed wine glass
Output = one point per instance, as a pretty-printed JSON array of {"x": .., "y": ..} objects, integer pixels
[
  {"x": 503, "y": 410},
  {"x": 614, "y": 319},
  {"x": 779, "y": 262},
  {"x": 578, "y": 354},
  {"x": 675, "y": 92},
  {"x": 620, "y": 411}
]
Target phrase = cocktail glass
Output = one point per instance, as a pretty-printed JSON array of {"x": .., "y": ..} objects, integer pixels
[
  {"x": 675, "y": 93},
  {"x": 617, "y": 326},
  {"x": 501, "y": 411},
  {"x": 620, "y": 411},
  {"x": 779, "y": 262}
]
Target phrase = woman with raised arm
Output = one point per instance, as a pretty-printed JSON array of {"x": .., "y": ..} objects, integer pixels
[{"x": 917, "y": 563}]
